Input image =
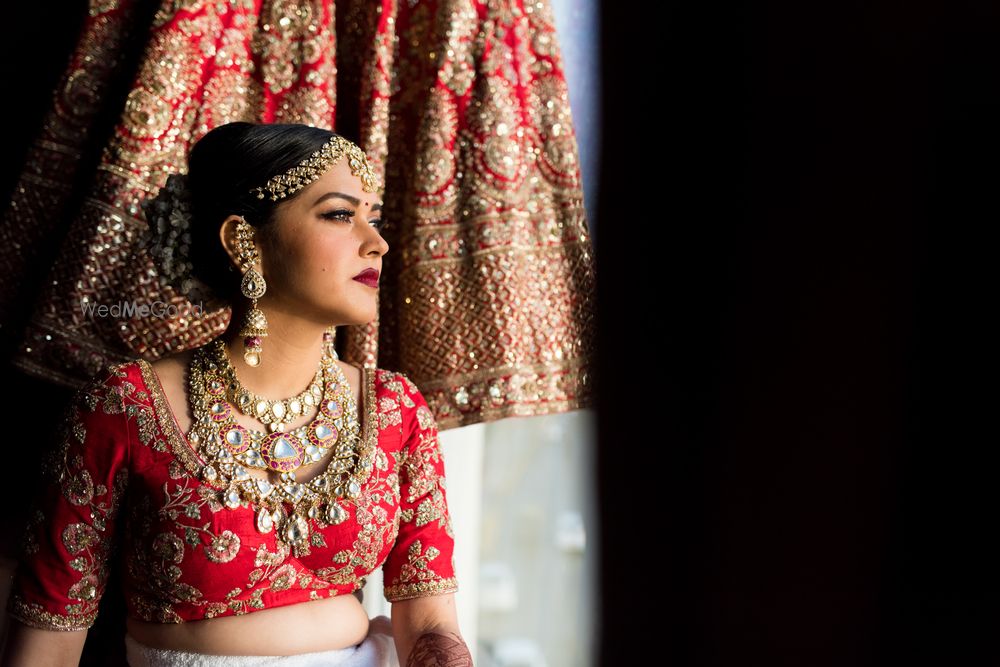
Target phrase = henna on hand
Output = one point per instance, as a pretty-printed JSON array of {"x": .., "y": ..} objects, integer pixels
[{"x": 433, "y": 649}]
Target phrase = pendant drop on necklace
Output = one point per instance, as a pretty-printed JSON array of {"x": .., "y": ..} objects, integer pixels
[
  {"x": 265, "y": 520},
  {"x": 294, "y": 531}
]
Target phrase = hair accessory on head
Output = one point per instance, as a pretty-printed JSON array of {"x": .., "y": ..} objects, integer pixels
[
  {"x": 315, "y": 165},
  {"x": 168, "y": 215}
]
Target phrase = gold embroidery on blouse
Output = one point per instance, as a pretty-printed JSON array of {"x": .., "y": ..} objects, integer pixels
[
  {"x": 418, "y": 467},
  {"x": 34, "y": 615},
  {"x": 166, "y": 421},
  {"x": 224, "y": 547},
  {"x": 425, "y": 418},
  {"x": 425, "y": 481},
  {"x": 155, "y": 567},
  {"x": 397, "y": 592},
  {"x": 416, "y": 578},
  {"x": 86, "y": 543},
  {"x": 389, "y": 413}
]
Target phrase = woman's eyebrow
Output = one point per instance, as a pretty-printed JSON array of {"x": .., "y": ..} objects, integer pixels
[{"x": 354, "y": 200}]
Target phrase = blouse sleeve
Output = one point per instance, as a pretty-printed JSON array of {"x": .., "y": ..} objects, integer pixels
[
  {"x": 63, "y": 565},
  {"x": 422, "y": 560}
]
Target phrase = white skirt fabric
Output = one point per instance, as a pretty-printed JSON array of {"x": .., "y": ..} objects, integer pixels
[{"x": 376, "y": 650}]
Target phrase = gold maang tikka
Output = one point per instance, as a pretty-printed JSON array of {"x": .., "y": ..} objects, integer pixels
[
  {"x": 253, "y": 287},
  {"x": 316, "y": 165}
]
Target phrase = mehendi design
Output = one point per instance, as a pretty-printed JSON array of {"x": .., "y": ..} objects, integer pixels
[{"x": 433, "y": 649}]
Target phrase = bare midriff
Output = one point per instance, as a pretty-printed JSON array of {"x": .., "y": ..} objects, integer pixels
[{"x": 307, "y": 627}]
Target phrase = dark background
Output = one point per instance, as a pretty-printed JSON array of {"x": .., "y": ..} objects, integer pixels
[
  {"x": 38, "y": 38},
  {"x": 797, "y": 435}
]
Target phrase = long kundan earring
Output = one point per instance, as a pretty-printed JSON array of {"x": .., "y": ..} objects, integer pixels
[{"x": 253, "y": 287}]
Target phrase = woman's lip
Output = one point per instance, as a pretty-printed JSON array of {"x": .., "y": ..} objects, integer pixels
[{"x": 368, "y": 277}]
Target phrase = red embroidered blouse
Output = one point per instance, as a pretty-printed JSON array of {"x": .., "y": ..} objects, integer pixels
[{"x": 124, "y": 476}]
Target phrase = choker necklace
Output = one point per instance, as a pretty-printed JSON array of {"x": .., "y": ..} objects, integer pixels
[
  {"x": 273, "y": 413},
  {"x": 230, "y": 448}
]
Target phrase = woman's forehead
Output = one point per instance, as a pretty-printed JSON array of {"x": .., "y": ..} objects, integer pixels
[{"x": 339, "y": 179}]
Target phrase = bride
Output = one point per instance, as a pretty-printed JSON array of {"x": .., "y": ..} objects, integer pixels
[{"x": 253, "y": 483}]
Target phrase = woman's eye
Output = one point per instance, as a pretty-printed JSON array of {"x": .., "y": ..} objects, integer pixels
[
  {"x": 344, "y": 214},
  {"x": 338, "y": 215}
]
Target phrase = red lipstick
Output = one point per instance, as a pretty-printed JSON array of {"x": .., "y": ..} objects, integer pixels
[{"x": 368, "y": 277}]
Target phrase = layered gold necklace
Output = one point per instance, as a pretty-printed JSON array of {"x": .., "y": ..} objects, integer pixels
[{"x": 231, "y": 449}]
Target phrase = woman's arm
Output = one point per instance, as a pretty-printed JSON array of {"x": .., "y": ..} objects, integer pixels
[
  {"x": 426, "y": 633},
  {"x": 63, "y": 562},
  {"x": 419, "y": 573},
  {"x": 32, "y": 647}
]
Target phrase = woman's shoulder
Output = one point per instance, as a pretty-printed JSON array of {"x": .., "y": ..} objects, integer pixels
[
  {"x": 116, "y": 388},
  {"x": 170, "y": 370},
  {"x": 138, "y": 375},
  {"x": 405, "y": 396},
  {"x": 172, "y": 363},
  {"x": 397, "y": 384},
  {"x": 114, "y": 374},
  {"x": 393, "y": 378}
]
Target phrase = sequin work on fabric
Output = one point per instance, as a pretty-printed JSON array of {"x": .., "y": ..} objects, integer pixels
[{"x": 487, "y": 296}]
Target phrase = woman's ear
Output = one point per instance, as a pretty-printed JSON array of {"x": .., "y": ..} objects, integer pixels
[{"x": 227, "y": 236}]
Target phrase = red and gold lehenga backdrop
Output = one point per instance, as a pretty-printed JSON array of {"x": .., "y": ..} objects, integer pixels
[{"x": 487, "y": 301}]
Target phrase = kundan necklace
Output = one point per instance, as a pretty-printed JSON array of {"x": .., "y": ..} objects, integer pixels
[
  {"x": 275, "y": 413},
  {"x": 215, "y": 392}
]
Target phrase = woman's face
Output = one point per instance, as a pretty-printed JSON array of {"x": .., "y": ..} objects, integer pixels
[{"x": 322, "y": 239}]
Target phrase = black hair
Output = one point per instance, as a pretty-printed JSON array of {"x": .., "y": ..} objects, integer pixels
[{"x": 224, "y": 166}]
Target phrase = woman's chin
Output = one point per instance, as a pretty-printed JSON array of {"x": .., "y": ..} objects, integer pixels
[{"x": 356, "y": 318}]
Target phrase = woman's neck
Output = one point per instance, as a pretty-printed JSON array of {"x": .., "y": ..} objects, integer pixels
[{"x": 290, "y": 354}]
